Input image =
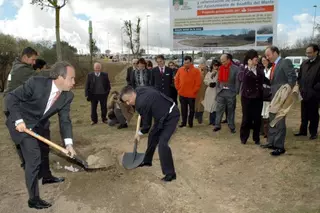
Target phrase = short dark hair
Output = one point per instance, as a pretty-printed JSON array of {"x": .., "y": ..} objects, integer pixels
[
  {"x": 315, "y": 47},
  {"x": 250, "y": 54},
  {"x": 40, "y": 63},
  {"x": 29, "y": 51},
  {"x": 142, "y": 61},
  {"x": 59, "y": 69},
  {"x": 215, "y": 62},
  {"x": 265, "y": 57},
  {"x": 126, "y": 90},
  {"x": 229, "y": 56},
  {"x": 149, "y": 63},
  {"x": 274, "y": 49},
  {"x": 188, "y": 58},
  {"x": 160, "y": 57}
]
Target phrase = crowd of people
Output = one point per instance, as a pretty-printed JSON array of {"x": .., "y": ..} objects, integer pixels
[{"x": 267, "y": 86}]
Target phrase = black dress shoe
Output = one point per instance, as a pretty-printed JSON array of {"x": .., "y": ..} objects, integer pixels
[
  {"x": 145, "y": 164},
  {"x": 52, "y": 180},
  {"x": 313, "y": 137},
  {"x": 182, "y": 125},
  {"x": 243, "y": 142},
  {"x": 190, "y": 125},
  {"x": 300, "y": 134},
  {"x": 169, "y": 178},
  {"x": 93, "y": 123},
  {"x": 233, "y": 131},
  {"x": 224, "y": 121},
  {"x": 278, "y": 152},
  {"x": 216, "y": 129},
  {"x": 257, "y": 142},
  {"x": 38, "y": 204},
  {"x": 267, "y": 146},
  {"x": 122, "y": 126}
]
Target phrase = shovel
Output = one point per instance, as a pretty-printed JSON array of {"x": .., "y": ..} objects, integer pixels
[
  {"x": 132, "y": 160},
  {"x": 77, "y": 159}
]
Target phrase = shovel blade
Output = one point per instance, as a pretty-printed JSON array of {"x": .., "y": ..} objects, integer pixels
[{"x": 132, "y": 160}]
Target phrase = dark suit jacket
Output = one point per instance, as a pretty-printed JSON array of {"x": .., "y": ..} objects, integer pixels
[
  {"x": 309, "y": 79},
  {"x": 28, "y": 102},
  {"x": 129, "y": 76},
  {"x": 251, "y": 84},
  {"x": 283, "y": 74},
  {"x": 162, "y": 82},
  {"x": 90, "y": 84}
]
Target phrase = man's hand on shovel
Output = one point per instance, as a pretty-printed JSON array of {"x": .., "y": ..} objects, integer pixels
[
  {"x": 137, "y": 137},
  {"x": 71, "y": 153}
]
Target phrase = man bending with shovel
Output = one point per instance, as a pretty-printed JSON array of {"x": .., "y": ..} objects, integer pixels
[{"x": 150, "y": 102}]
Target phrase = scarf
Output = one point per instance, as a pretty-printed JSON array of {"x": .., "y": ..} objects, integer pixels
[{"x": 224, "y": 72}]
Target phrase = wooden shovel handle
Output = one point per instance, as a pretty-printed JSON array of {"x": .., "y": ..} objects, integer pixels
[
  {"x": 44, "y": 140},
  {"x": 138, "y": 124}
]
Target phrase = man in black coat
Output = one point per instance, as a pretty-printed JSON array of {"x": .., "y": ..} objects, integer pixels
[
  {"x": 162, "y": 77},
  {"x": 30, "y": 106},
  {"x": 149, "y": 101},
  {"x": 309, "y": 83},
  {"x": 97, "y": 90},
  {"x": 130, "y": 72}
]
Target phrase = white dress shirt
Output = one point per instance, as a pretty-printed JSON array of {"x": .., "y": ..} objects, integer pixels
[{"x": 54, "y": 90}]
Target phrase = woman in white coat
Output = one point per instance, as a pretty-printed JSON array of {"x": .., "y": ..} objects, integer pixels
[{"x": 209, "y": 101}]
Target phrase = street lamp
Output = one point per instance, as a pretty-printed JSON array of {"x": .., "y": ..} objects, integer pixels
[
  {"x": 108, "y": 41},
  {"x": 147, "y": 35},
  {"x": 121, "y": 33},
  {"x": 314, "y": 20}
]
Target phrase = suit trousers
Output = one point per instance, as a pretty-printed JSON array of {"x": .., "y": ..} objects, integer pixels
[
  {"x": 185, "y": 104},
  {"x": 45, "y": 171},
  {"x": 309, "y": 113},
  {"x": 31, "y": 152},
  {"x": 162, "y": 138},
  {"x": 277, "y": 134},
  {"x": 102, "y": 99},
  {"x": 225, "y": 100},
  {"x": 251, "y": 118}
]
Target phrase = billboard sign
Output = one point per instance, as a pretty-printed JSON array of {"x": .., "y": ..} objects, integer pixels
[{"x": 209, "y": 25}]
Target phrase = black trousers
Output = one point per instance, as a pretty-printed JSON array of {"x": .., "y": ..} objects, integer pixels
[
  {"x": 36, "y": 157},
  {"x": 95, "y": 99},
  {"x": 174, "y": 95},
  {"x": 162, "y": 138},
  {"x": 187, "y": 104},
  {"x": 251, "y": 118},
  {"x": 309, "y": 113},
  {"x": 45, "y": 171}
]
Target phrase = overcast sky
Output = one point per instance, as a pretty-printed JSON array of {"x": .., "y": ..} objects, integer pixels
[{"x": 20, "y": 18}]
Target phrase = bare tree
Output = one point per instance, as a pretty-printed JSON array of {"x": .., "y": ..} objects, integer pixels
[
  {"x": 56, "y": 6},
  {"x": 133, "y": 33}
]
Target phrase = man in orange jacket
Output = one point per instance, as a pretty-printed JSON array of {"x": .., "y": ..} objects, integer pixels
[{"x": 187, "y": 82}]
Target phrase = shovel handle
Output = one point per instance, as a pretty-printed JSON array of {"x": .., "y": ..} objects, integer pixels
[
  {"x": 138, "y": 124},
  {"x": 44, "y": 140}
]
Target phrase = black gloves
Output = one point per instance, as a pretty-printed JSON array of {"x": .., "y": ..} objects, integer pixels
[{"x": 213, "y": 85}]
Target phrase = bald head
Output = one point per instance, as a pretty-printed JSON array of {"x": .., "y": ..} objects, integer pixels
[
  {"x": 97, "y": 67},
  {"x": 134, "y": 62},
  {"x": 225, "y": 59}
]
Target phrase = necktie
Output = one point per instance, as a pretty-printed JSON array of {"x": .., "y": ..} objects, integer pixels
[
  {"x": 272, "y": 71},
  {"x": 161, "y": 70},
  {"x": 55, "y": 98}
]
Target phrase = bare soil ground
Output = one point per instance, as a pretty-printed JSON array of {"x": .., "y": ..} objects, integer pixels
[{"x": 215, "y": 173}]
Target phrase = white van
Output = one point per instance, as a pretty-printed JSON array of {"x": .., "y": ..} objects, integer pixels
[{"x": 297, "y": 60}]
